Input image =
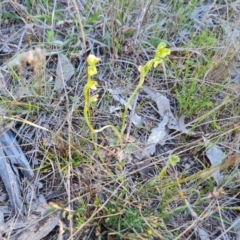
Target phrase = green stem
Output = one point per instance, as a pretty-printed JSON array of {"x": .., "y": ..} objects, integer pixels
[
  {"x": 86, "y": 109},
  {"x": 129, "y": 102}
]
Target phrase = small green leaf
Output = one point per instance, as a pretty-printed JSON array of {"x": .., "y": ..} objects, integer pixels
[
  {"x": 70, "y": 216},
  {"x": 173, "y": 160},
  {"x": 93, "y": 18},
  {"x": 7, "y": 15}
]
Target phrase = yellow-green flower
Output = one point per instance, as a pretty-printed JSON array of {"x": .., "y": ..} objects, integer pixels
[
  {"x": 140, "y": 69},
  {"x": 94, "y": 98},
  {"x": 162, "y": 51},
  {"x": 92, "y": 70},
  {"x": 92, "y": 84},
  {"x": 92, "y": 59}
]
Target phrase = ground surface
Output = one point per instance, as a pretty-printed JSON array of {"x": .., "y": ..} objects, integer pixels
[{"x": 173, "y": 174}]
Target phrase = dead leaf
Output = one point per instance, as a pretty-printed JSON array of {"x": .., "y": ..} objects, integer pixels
[
  {"x": 203, "y": 235},
  {"x": 181, "y": 124},
  {"x": 14, "y": 153},
  {"x": 11, "y": 182},
  {"x": 3, "y": 85},
  {"x": 216, "y": 156},
  {"x": 38, "y": 224},
  {"x": 164, "y": 108},
  {"x": 161, "y": 101},
  {"x": 158, "y": 136},
  {"x": 136, "y": 120},
  {"x": 182, "y": 127},
  {"x": 113, "y": 109},
  {"x": 1, "y": 218},
  {"x": 64, "y": 72},
  {"x": 116, "y": 96}
]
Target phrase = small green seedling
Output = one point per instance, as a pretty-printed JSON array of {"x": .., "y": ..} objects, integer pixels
[{"x": 172, "y": 161}]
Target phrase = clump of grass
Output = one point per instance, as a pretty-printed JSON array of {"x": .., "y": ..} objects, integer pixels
[{"x": 195, "y": 95}]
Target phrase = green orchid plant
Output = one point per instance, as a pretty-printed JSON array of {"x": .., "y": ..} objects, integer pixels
[
  {"x": 161, "y": 53},
  {"x": 91, "y": 84}
]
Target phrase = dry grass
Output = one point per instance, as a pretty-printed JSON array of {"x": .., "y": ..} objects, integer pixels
[{"x": 108, "y": 193}]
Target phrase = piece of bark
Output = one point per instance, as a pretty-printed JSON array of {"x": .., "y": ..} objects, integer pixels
[
  {"x": 12, "y": 159},
  {"x": 15, "y": 154},
  {"x": 11, "y": 183}
]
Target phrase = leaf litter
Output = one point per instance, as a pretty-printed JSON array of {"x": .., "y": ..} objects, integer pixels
[
  {"x": 158, "y": 136},
  {"x": 12, "y": 162},
  {"x": 161, "y": 132},
  {"x": 216, "y": 156},
  {"x": 37, "y": 225},
  {"x": 15, "y": 168}
]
